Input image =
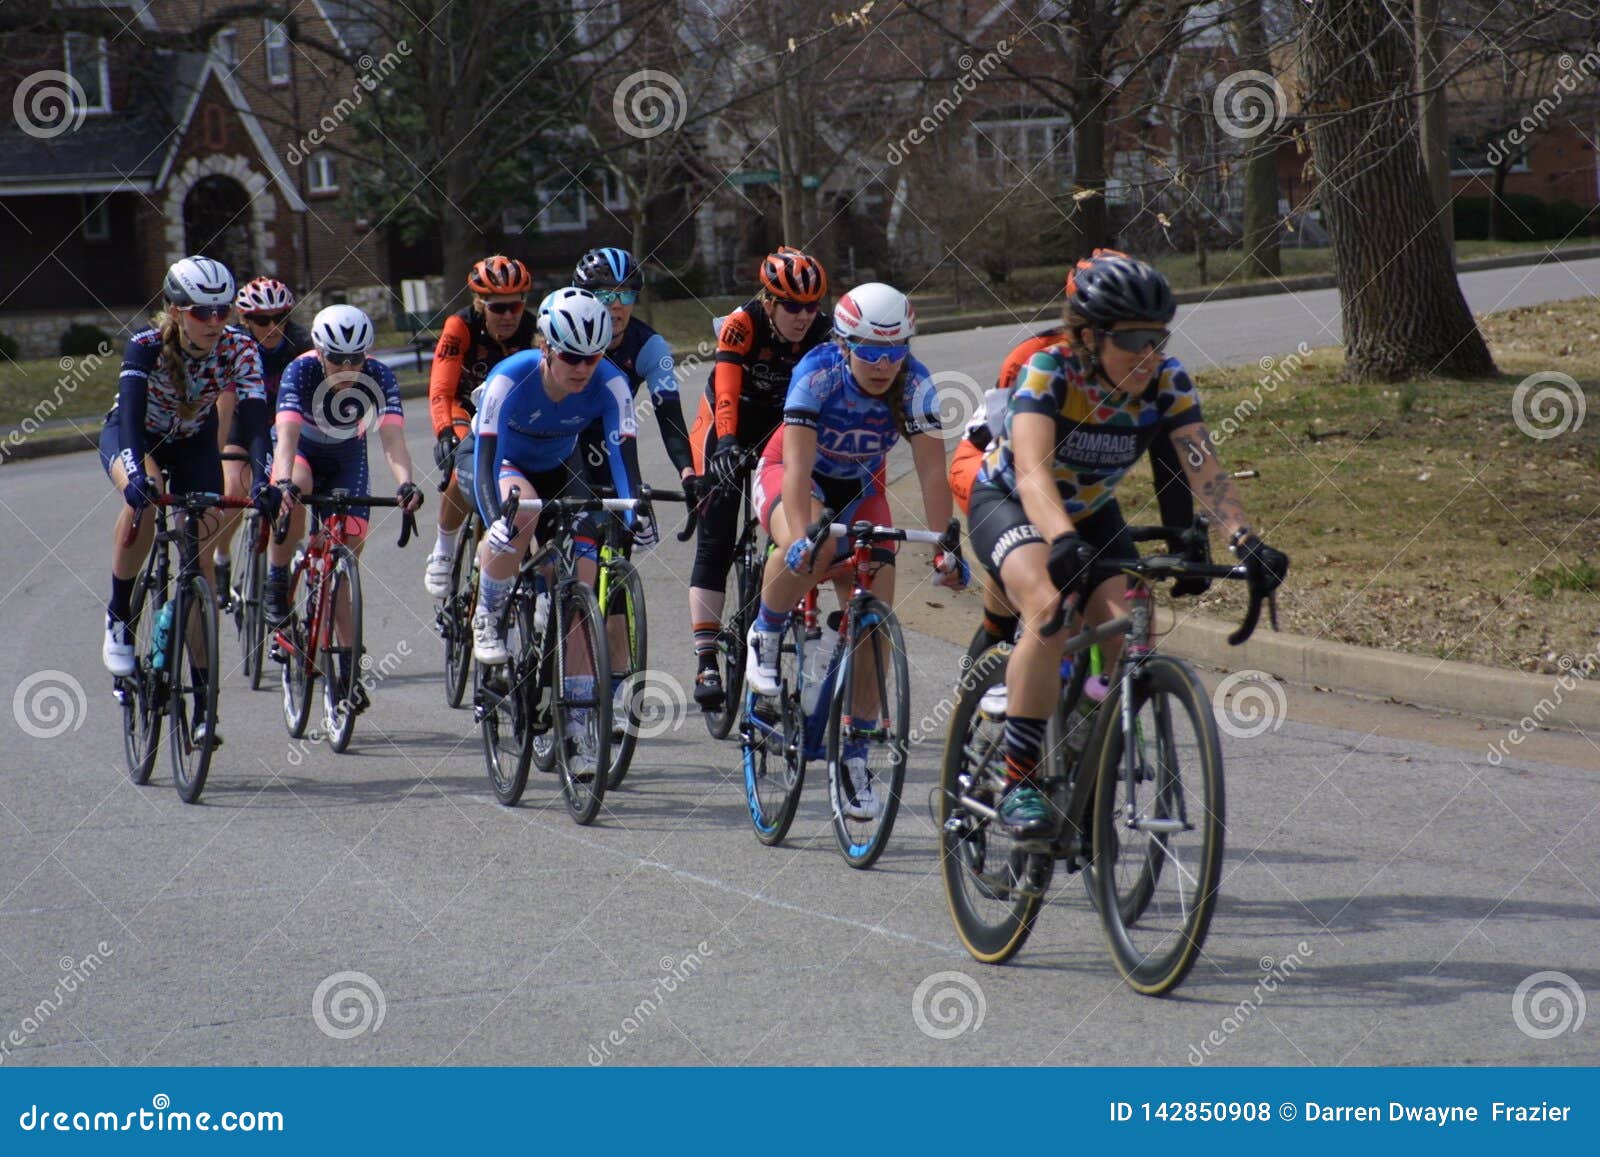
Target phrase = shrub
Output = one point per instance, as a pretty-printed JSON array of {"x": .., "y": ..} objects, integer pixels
[
  {"x": 10, "y": 347},
  {"x": 80, "y": 340}
]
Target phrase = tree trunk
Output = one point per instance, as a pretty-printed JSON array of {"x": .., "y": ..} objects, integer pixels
[
  {"x": 1496, "y": 228},
  {"x": 1088, "y": 215},
  {"x": 1431, "y": 116},
  {"x": 460, "y": 240},
  {"x": 1261, "y": 165},
  {"x": 1404, "y": 315}
]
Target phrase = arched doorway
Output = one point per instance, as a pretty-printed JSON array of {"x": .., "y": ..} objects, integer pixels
[{"x": 216, "y": 222}]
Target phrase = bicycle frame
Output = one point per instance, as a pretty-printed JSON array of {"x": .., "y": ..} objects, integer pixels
[{"x": 315, "y": 561}]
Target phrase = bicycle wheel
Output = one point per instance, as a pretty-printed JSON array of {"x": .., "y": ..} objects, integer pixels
[
  {"x": 993, "y": 887},
  {"x": 143, "y": 699},
  {"x": 503, "y": 703},
  {"x": 299, "y": 677},
  {"x": 878, "y": 656},
  {"x": 456, "y": 614},
  {"x": 1158, "y": 839},
  {"x": 629, "y": 671},
  {"x": 253, "y": 622},
  {"x": 193, "y": 703},
  {"x": 582, "y": 699},
  {"x": 341, "y": 692},
  {"x": 731, "y": 642},
  {"x": 772, "y": 738}
]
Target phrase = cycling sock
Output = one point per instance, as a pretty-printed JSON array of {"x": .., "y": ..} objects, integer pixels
[
  {"x": 492, "y": 593},
  {"x": 997, "y": 629},
  {"x": 202, "y": 682},
  {"x": 445, "y": 545},
  {"x": 768, "y": 619},
  {"x": 1023, "y": 740},
  {"x": 120, "y": 607},
  {"x": 705, "y": 643},
  {"x": 276, "y": 573},
  {"x": 222, "y": 558}
]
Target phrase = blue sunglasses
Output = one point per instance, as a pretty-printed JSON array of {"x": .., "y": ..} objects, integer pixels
[
  {"x": 614, "y": 296},
  {"x": 873, "y": 354}
]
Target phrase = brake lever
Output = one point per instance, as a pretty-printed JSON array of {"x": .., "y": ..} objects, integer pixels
[
  {"x": 408, "y": 527},
  {"x": 1251, "y": 618}
]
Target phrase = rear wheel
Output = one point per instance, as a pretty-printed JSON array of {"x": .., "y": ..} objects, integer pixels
[
  {"x": 773, "y": 743},
  {"x": 456, "y": 614},
  {"x": 874, "y": 670},
  {"x": 341, "y": 664},
  {"x": 195, "y": 675},
  {"x": 582, "y": 700},
  {"x": 731, "y": 642},
  {"x": 252, "y": 619},
  {"x": 629, "y": 671},
  {"x": 142, "y": 693},
  {"x": 504, "y": 700}
]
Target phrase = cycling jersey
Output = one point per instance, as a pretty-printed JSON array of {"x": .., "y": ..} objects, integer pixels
[
  {"x": 296, "y": 341},
  {"x": 855, "y": 431},
  {"x": 151, "y": 405},
  {"x": 645, "y": 359},
  {"x": 336, "y": 415},
  {"x": 753, "y": 367},
  {"x": 1099, "y": 434},
  {"x": 252, "y": 419},
  {"x": 462, "y": 360},
  {"x": 520, "y": 424}
]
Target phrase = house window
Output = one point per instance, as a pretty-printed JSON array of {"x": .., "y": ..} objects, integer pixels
[
  {"x": 515, "y": 219},
  {"x": 613, "y": 192},
  {"x": 225, "y": 46},
  {"x": 563, "y": 211},
  {"x": 276, "y": 39},
  {"x": 1035, "y": 149},
  {"x": 97, "y": 220},
  {"x": 324, "y": 174},
  {"x": 86, "y": 64},
  {"x": 593, "y": 22},
  {"x": 1469, "y": 158}
]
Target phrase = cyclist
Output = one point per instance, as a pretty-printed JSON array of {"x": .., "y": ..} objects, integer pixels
[
  {"x": 493, "y": 327},
  {"x": 264, "y": 304},
  {"x": 849, "y": 401},
  {"x": 758, "y": 346},
  {"x": 535, "y": 405},
  {"x": 326, "y": 401},
  {"x": 1081, "y": 413},
  {"x": 179, "y": 383},
  {"x": 636, "y": 349}
]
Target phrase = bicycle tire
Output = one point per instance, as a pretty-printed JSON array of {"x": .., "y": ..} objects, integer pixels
[
  {"x": 340, "y": 715},
  {"x": 993, "y": 916},
  {"x": 299, "y": 679},
  {"x": 731, "y": 643},
  {"x": 254, "y": 620},
  {"x": 143, "y": 704},
  {"x": 190, "y": 763},
  {"x": 505, "y": 697},
  {"x": 861, "y": 842},
  {"x": 458, "y": 610},
  {"x": 574, "y": 611},
  {"x": 773, "y": 754},
  {"x": 1154, "y": 960},
  {"x": 625, "y": 586}
]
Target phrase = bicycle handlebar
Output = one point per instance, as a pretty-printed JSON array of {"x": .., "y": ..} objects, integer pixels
[
  {"x": 340, "y": 500},
  {"x": 194, "y": 502}
]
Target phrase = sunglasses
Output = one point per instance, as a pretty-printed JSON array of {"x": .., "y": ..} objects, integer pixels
[
  {"x": 873, "y": 354},
  {"x": 208, "y": 312},
  {"x": 1136, "y": 341},
  {"x": 344, "y": 359},
  {"x": 504, "y": 307},
  {"x": 265, "y": 319},
  {"x": 577, "y": 359},
  {"x": 799, "y": 306},
  {"x": 617, "y": 296}
]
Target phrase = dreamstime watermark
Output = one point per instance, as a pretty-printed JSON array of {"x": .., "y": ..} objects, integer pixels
[
  {"x": 373, "y": 672},
  {"x": 74, "y": 974},
  {"x": 74, "y": 372},
  {"x": 1573, "y": 73},
  {"x": 1249, "y": 703},
  {"x": 955, "y": 405},
  {"x": 344, "y": 408},
  {"x": 659, "y": 704},
  {"x": 932, "y": 723},
  {"x": 49, "y": 103},
  {"x": 348, "y": 1004},
  {"x": 1548, "y": 404},
  {"x": 1548, "y": 1004},
  {"x": 947, "y": 1005},
  {"x": 648, "y": 103},
  {"x": 1249, "y": 103},
  {"x": 1275, "y": 372},
  {"x": 373, "y": 74},
  {"x": 677, "y": 973},
  {"x": 1573, "y": 672},
  {"x": 973, "y": 72},
  {"x": 49, "y": 703},
  {"x": 1275, "y": 973}
]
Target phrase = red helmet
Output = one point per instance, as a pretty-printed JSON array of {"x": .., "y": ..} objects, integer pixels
[
  {"x": 264, "y": 295},
  {"x": 1072, "y": 274},
  {"x": 790, "y": 275},
  {"x": 498, "y": 274}
]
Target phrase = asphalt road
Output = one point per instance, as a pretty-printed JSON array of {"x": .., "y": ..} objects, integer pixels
[{"x": 1414, "y": 887}]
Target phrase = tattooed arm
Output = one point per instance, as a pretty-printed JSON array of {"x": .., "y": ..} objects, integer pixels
[{"x": 1210, "y": 483}]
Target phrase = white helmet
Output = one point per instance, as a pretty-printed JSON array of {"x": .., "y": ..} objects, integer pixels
[
  {"x": 342, "y": 329},
  {"x": 198, "y": 281},
  {"x": 575, "y": 322},
  {"x": 875, "y": 312},
  {"x": 264, "y": 295}
]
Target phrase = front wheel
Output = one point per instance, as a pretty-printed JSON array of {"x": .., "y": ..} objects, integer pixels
[
  {"x": 143, "y": 696},
  {"x": 731, "y": 644},
  {"x": 456, "y": 614},
  {"x": 867, "y": 757},
  {"x": 1159, "y": 825},
  {"x": 772, "y": 741},
  {"x": 629, "y": 666},
  {"x": 194, "y": 679},
  {"x": 503, "y": 703},
  {"x": 253, "y": 621},
  {"x": 582, "y": 699},
  {"x": 299, "y": 676},
  {"x": 342, "y": 692}
]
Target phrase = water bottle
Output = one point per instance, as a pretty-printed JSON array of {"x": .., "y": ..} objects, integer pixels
[
  {"x": 541, "y": 606},
  {"x": 819, "y": 653},
  {"x": 162, "y": 636},
  {"x": 1095, "y": 689}
]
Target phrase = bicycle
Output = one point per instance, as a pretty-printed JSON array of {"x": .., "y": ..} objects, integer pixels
[
  {"x": 805, "y": 720},
  {"x": 245, "y": 600},
  {"x": 305, "y": 644},
  {"x": 453, "y": 618},
  {"x": 1124, "y": 803},
  {"x": 557, "y": 677},
  {"x": 748, "y": 560},
  {"x": 182, "y": 622}
]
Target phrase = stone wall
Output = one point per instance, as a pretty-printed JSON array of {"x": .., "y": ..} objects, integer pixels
[{"x": 39, "y": 333}]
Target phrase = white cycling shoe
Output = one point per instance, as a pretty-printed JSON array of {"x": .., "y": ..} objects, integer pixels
[
  {"x": 861, "y": 802},
  {"x": 436, "y": 579},
  {"x": 117, "y": 652},
  {"x": 488, "y": 644},
  {"x": 761, "y": 661}
]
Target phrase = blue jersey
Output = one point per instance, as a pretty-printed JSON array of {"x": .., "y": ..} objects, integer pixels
[
  {"x": 330, "y": 414},
  {"x": 644, "y": 358},
  {"x": 519, "y": 423},
  {"x": 855, "y": 431}
]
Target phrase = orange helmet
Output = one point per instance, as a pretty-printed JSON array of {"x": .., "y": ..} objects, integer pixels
[
  {"x": 497, "y": 274},
  {"x": 1072, "y": 274},
  {"x": 790, "y": 275}
]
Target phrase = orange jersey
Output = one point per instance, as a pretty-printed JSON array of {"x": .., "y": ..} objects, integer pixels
[{"x": 462, "y": 360}]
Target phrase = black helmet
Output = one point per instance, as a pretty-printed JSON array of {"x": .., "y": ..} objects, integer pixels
[
  {"x": 1112, "y": 289},
  {"x": 608, "y": 269}
]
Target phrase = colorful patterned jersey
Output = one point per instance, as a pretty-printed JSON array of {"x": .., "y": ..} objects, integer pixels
[
  {"x": 179, "y": 410},
  {"x": 328, "y": 414}
]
